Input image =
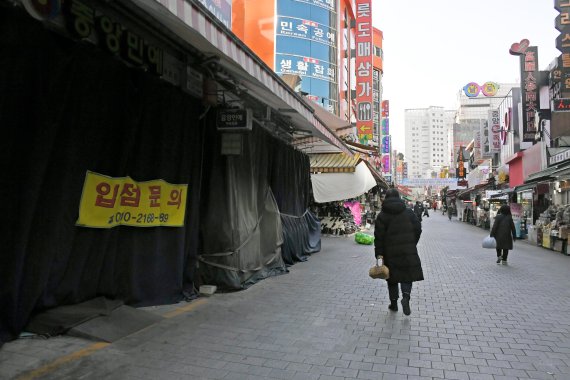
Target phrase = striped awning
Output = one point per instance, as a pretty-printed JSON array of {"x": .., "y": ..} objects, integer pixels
[
  {"x": 188, "y": 20},
  {"x": 333, "y": 163}
]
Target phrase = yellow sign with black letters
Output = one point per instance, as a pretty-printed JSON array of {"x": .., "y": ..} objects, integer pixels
[{"x": 108, "y": 202}]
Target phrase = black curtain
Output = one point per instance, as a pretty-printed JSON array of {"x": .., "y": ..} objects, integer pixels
[{"x": 66, "y": 108}]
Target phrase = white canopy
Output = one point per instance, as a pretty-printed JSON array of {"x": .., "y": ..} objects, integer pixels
[{"x": 329, "y": 187}]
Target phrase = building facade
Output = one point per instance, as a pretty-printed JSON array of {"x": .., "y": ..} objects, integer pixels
[{"x": 427, "y": 132}]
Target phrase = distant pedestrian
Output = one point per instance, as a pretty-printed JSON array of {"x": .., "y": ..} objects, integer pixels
[
  {"x": 434, "y": 206},
  {"x": 396, "y": 233},
  {"x": 426, "y": 213},
  {"x": 418, "y": 210},
  {"x": 504, "y": 232},
  {"x": 449, "y": 212}
]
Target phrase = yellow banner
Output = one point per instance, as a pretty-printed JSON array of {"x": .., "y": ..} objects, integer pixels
[{"x": 108, "y": 202}]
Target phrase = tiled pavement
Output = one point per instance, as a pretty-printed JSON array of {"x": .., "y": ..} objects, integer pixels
[{"x": 326, "y": 320}]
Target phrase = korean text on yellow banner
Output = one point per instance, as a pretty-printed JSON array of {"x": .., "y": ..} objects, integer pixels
[{"x": 108, "y": 202}]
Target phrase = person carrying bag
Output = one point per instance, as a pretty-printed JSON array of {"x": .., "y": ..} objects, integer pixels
[
  {"x": 504, "y": 232},
  {"x": 397, "y": 231}
]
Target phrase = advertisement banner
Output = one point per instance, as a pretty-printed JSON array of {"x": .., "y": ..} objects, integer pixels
[
  {"x": 363, "y": 63},
  {"x": 494, "y": 131},
  {"x": 108, "y": 202}
]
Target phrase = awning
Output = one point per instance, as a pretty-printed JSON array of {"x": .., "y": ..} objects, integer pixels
[
  {"x": 332, "y": 121},
  {"x": 525, "y": 187},
  {"x": 330, "y": 187},
  {"x": 463, "y": 193},
  {"x": 333, "y": 163},
  {"x": 377, "y": 176},
  {"x": 188, "y": 21},
  {"x": 542, "y": 175}
]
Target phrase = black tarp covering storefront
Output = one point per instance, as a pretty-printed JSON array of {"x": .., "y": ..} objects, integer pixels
[
  {"x": 254, "y": 216},
  {"x": 66, "y": 108},
  {"x": 301, "y": 235}
]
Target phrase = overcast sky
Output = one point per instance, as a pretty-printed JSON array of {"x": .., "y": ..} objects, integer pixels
[{"x": 433, "y": 48}]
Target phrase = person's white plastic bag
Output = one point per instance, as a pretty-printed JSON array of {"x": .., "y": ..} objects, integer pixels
[{"x": 489, "y": 242}]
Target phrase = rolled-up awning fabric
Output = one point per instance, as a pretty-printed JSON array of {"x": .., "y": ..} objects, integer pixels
[{"x": 330, "y": 187}]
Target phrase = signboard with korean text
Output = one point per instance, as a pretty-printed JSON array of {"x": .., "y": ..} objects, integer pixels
[
  {"x": 530, "y": 92},
  {"x": 363, "y": 64},
  {"x": 385, "y": 144},
  {"x": 473, "y": 90},
  {"x": 234, "y": 119},
  {"x": 306, "y": 29},
  {"x": 306, "y": 40},
  {"x": 108, "y": 202},
  {"x": 460, "y": 164},
  {"x": 494, "y": 131},
  {"x": 485, "y": 138},
  {"x": 306, "y": 66}
]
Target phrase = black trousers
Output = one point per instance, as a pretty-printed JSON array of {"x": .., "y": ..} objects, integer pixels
[
  {"x": 503, "y": 253},
  {"x": 393, "y": 293}
]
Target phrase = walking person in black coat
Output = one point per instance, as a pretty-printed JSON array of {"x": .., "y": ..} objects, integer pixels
[
  {"x": 396, "y": 233},
  {"x": 504, "y": 233},
  {"x": 418, "y": 210}
]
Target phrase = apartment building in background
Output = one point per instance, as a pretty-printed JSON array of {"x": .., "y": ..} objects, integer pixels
[{"x": 428, "y": 140}]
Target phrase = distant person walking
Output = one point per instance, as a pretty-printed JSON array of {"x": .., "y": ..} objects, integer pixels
[
  {"x": 449, "y": 212},
  {"x": 434, "y": 206},
  {"x": 396, "y": 233},
  {"x": 418, "y": 210},
  {"x": 504, "y": 232},
  {"x": 426, "y": 211}
]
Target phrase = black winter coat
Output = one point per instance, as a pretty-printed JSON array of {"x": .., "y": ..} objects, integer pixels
[
  {"x": 504, "y": 231},
  {"x": 396, "y": 233}
]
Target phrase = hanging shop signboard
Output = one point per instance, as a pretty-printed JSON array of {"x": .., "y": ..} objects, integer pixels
[
  {"x": 234, "y": 120},
  {"x": 364, "y": 69},
  {"x": 108, "y": 202},
  {"x": 530, "y": 92},
  {"x": 494, "y": 131}
]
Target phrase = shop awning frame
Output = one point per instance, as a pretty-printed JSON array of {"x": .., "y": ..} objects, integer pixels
[{"x": 190, "y": 21}]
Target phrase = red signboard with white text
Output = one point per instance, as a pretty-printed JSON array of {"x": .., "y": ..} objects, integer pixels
[{"x": 363, "y": 61}]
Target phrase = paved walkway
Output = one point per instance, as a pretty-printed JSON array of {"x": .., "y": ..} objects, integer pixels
[{"x": 326, "y": 320}]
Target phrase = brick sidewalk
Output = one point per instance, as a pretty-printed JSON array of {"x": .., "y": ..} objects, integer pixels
[{"x": 471, "y": 319}]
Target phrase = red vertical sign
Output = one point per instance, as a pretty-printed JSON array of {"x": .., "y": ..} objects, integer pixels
[{"x": 363, "y": 62}]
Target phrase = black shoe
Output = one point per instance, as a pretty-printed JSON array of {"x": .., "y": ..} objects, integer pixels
[
  {"x": 406, "y": 305},
  {"x": 393, "y": 305},
  {"x": 498, "y": 260}
]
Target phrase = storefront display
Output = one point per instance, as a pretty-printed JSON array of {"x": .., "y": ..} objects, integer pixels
[{"x": 525, "y": 199}]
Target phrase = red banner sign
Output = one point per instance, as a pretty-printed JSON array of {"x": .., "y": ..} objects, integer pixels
[{"x": 363, "y": 61}]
